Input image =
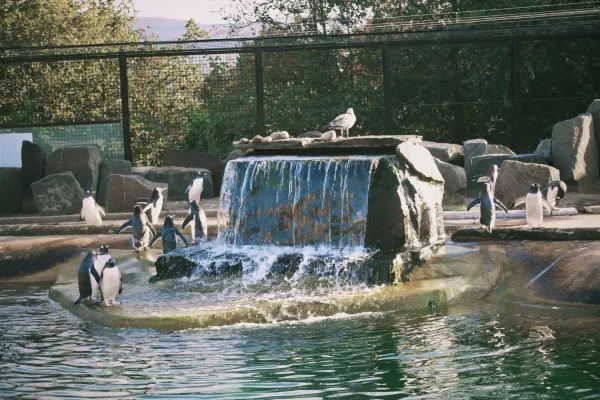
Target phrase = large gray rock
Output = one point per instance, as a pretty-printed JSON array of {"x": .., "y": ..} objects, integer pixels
[
  {"x": 594, "y": 110},
  {"x": 33, "y": 165},
  {"x": 420, "y": 160},
  {"x": 574, "y": 149},
  {"x": 11, "y": 201},
  {"x": 178, "y": 179},
  {"x": 197, "y": 160},
  {"x": 58, "y": 194},
  {"x": 123, "y": 191},
  {"x": 473, "y": 148},
  {"x": 515, "y": 178},
  {"x": 498, "y": 149},
  {"x": 82, "y": 161},
  {"x": 446, "y": 152},
  {"x": 481, "y": 164},
  {"x": 108, "y": 168},
  {"x": 455, "y": 184},
  {"x": 544, "y": 149}
]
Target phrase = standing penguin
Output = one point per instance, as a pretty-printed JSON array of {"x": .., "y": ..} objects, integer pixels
[
  {"x": 487, "y": 209},
  {"x": 91, "y": 212},
  {"x": 168, "y": 235},
  {"x": 553, "y": 192},
  {"x": 534, "y": 206},
  {"x": 491, "y": 177},
  {"x": 155, "y": 204},
  {"x": 141, "y": 229},
  {"x": 111, "y": 284},
  {"x": 194, "y": 190},
  {"x": 83, "y": 277},
  {"x": 197, "y": 221}
]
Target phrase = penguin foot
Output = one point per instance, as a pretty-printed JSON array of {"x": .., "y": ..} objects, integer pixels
[{"x": 110, "y": 303}]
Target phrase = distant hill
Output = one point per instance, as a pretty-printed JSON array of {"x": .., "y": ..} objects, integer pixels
[{"x": 171, "y": 29}]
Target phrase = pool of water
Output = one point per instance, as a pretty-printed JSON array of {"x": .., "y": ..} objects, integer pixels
[{"x": 504, "y": 349}]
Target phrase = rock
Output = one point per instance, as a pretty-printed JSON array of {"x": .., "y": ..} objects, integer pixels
[
  {"x": 329, "y": 136},
  {"x": 257, "y": 139},
  {"x": 242, "y": 141},
  {"x": 29, "y": 205},
  {"x": 498, "y": 149},
  {"x": 123, "y": 191},
  {"x": 33, "y": 165},
  {"x": 82, "y": 161},
  {"x": 233, "y": 155},
  {"x": 544, "y": 149},
  {"x": 515, "y": 178},
  {"x": 107, "y": 168},
  {"x": 58, "y": 194},
  {"x": 419, "y": 158},
  {"x": 11, "y": 201},
  {"x": 380, "y": 142},
  {"x": 286, "y": 265},
  {"x": 473, "y": 148},
  {"x": 574, "y": 149},
  {"x": 179, "y": 178},
  {"x": 446, "y": 152},
  {"x": 310, "y": 134},
  {"x": 197, "y": 159},
  {"x": 267, "y": 139},
  {"x": 280, "y": 135},
  {"x": 455, "y": 183},
  {"x": 594, "y": 110},
  {"x": 141, "y": 171},
  {"x": 404, "y": 206},
  {"x": 480, "y": 166}
]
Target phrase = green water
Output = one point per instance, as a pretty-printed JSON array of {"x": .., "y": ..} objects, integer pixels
[{"x": 503, "y": 350}]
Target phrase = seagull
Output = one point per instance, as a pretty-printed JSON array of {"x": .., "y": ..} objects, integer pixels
[{"x": 344, "y": 122}]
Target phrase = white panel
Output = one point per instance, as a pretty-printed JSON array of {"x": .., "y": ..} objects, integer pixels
[{"x": 10, "y": 148}]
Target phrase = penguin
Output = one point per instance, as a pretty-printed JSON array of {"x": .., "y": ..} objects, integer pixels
[
  {"x": 197, "y": 221},
  {"x": 194, "y": 190},
  {"x": 491, "y": 177},
  {"x": 553, "y": 192},
  {"x": 487, "y": 209},
  {"x": 83, "y": 277},
  {"x": 102, "y": 258},
  {"x": 141, "y": 229},
  {"x": 534, "y": 206},
  {"x": 91, "y": 212},
  {"x": 111, "y": 283},
  {"x": 168, "y": 235},
  {"x": 155, "y": 204}
]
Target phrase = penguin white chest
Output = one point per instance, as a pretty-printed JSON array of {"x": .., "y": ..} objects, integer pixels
[
  {"x": 90, "y": 212},
  {"x": 110, "y": 285},
  {"x": 155, "y": 211},
  {"x": 196, "y": 190},
  {"x": 534, "y": 210}
]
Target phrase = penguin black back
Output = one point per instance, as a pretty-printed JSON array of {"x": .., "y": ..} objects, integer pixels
[{"x": 83, "y": 277}]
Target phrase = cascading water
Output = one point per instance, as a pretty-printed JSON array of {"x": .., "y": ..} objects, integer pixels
[{"x": 295, "y": 201}]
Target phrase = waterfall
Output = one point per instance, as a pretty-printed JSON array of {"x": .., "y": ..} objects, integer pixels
[{"x": 296, "y": 201}]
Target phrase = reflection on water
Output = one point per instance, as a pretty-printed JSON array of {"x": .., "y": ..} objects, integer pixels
[{"x": 487, "y": 351}]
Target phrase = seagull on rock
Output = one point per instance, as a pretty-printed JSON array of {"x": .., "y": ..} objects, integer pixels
[{"x": 343, "y": 122}]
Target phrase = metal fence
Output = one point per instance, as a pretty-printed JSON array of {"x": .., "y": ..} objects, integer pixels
[{"x": 507, "y": 85}]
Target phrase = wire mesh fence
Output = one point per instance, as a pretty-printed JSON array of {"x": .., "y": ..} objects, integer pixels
[{"x": 202, "y": 96}]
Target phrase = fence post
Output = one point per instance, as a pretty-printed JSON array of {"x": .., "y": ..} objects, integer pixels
[
  {"x": 125, "y": 116},
  {"x": 514, "y": 96},
  {"x": 387, "y": 88},
  {"x": 260, "y": 94}
]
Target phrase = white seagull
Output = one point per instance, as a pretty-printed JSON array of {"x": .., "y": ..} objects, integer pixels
[{"x": 344, "y": 122}]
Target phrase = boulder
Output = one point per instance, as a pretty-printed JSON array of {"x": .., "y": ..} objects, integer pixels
[
  {"x": 420, "y": 160},
  {"x": 310, "y": 134},
  {"x": 455, "y": 183},
  {"x": 179, "y": 178},
  {"x": 544, "y": 149},
  {"x": 107, "y": 168},
  {"x": 197, "y": 159},
  {"x": 446, "y": 152},
  {"x": 498, "y": 149},
  {"x": 279, "y": 135},
  {"x": 82, "y": 161},
  {"x": 123, "y": 191},
  {"x": 33, "y": 165},
  {"x": 515, "y": 178},
  {"x": 594, "y": 110},
  {"x": 481, "y": 164},
  {"x": 58, "y": 194},
  {"x": 574, "y": 149},
  {"x": 11, "y": 202},
  {"x": 473, "y": 148}
]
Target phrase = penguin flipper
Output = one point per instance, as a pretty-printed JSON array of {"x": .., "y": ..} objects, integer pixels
[
  {"x": 79, "y": 300},
  {"x": 519, "y": 201},
  {"x": 120, "y": 283},
  {"x": 181, "y": 237},
  {"x": 473, "y": 203},
  {"x": 546, "y": 205},
  {"x": 81, "y": 217},
  {"x": 101, "y": 211},
  {"x": 124, "y": 226},
  {"x": 156, "y": 238},
  {"x": 501, "y": 205},
  {"x": 148, "y": 206},
  {"x": 151, "y": 227},
  {"x": 186, "y": 221}
]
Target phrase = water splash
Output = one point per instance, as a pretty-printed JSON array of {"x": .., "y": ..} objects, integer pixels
[{"x": 296, "y": 201}]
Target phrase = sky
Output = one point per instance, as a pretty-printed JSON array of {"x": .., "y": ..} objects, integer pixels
[{"x": 203, "y": 11}]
